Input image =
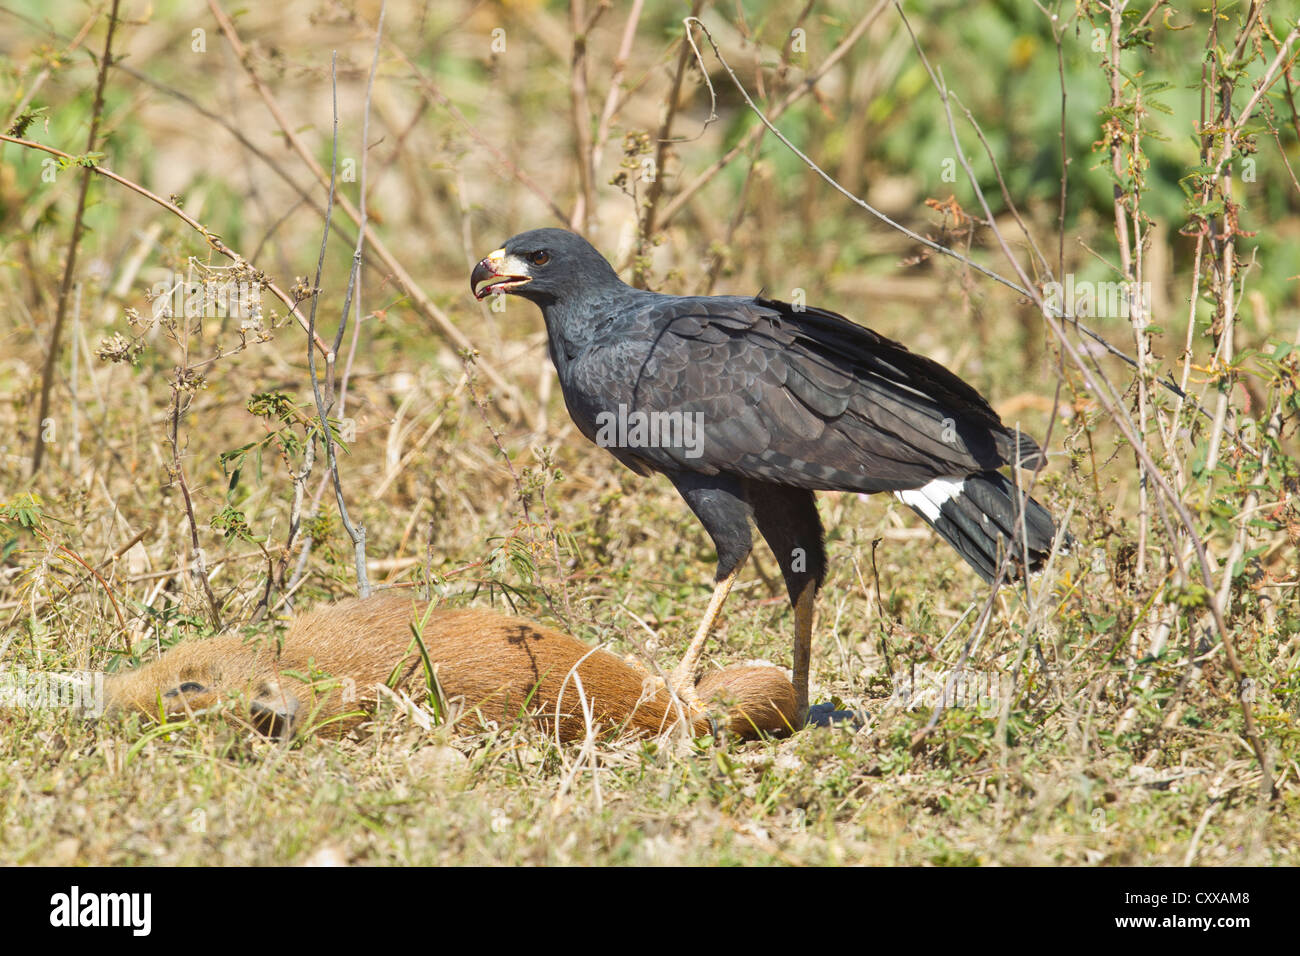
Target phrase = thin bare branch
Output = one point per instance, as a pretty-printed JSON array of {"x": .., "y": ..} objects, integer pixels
[
  {"x": 422, "y": 303},
  {"x": 74, "y": 243},
  {"x": 210, "y": 237}
]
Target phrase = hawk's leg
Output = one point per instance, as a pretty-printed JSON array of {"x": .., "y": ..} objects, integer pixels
[
  {"x": 788, "y": 520},
  {"x": 683, "y": 676},
  {"x": 718, "y": 502}
]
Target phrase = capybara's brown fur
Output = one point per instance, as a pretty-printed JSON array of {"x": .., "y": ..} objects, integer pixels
[{"x": 488, "y": 665}]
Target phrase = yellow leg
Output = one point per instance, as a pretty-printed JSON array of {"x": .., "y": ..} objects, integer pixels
[
  {"x": 683, "y": 676},
  {"x": 803, "y": 620}
]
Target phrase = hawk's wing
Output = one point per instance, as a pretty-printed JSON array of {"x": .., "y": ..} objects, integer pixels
[{"x": 804, "y": 398}]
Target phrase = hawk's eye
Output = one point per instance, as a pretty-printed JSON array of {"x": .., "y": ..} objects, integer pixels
[{"x": 540, "y": 258}]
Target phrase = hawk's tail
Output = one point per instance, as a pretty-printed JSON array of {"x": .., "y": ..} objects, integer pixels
[{"x": 980, "y": 516}]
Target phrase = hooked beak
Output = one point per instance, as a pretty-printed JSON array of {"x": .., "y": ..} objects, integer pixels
[{"x": 498, "y": 273}]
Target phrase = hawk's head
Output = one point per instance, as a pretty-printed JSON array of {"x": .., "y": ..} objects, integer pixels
[{"x": 543, "y": 265}]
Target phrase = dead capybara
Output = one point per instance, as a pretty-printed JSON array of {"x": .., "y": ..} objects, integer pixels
[{"x": 489, "y": 667}]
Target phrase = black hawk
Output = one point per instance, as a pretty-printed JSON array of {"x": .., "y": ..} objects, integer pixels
[{"x": 750, "y": 405}]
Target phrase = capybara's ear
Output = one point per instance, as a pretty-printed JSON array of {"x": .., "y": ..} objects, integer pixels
[{"x": 274, "y": 710}]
